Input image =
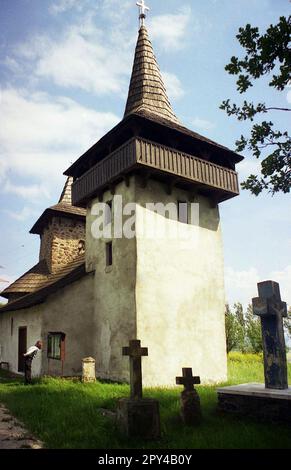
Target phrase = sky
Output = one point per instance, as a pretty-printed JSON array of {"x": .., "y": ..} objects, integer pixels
[{"x": 65, "y": 67}]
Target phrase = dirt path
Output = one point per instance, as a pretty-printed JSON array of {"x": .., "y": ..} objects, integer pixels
[{"x": 13, "y": 435}]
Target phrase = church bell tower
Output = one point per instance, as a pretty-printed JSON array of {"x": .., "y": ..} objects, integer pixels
[{"x": 163, "y": 282}]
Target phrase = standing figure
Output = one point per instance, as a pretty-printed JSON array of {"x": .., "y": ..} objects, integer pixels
[{"x": 29, "y": 356}]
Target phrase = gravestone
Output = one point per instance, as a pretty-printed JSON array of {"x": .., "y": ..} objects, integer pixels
[
  {"x": 269, "y": 307},
  {"x": 270, "y": 401},
  {"x": 190, "y": 401},
  {"x": 137, "y": 416},
  {"x": 88, "y": 370}
]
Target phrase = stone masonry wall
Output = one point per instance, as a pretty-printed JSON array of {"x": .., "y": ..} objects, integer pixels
[{"x": 60, "y": 242}]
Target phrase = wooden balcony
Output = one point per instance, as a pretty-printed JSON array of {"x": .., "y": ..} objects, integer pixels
[{"x": 160, "y": 161}]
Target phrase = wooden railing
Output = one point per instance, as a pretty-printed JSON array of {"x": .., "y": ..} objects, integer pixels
[
  {"x": 104, "y": 172},
  {"x": 138, "y": 153}
]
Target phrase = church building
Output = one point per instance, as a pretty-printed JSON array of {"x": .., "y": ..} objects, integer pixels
[{"x": 90, "y": 295}]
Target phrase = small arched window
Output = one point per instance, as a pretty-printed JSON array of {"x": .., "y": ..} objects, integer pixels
[{"x": 81, "y": 247}]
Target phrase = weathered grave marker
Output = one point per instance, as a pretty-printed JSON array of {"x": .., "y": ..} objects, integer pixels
[
  {"x": 88, "y": 370},
  {"x": 135, "y": 353},
  {"x": 272, "y": 400},
  {"x": 190, "y": 401},
  {"x": 136, "y": 416},
  {"x": 271, "y": 310}
]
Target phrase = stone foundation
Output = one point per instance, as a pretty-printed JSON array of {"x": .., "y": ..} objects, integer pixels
[
  {"x": 139, "y": 418},
  {"x": 255, "y": 400}
]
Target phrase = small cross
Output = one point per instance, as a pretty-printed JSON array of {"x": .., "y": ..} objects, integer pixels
[
  {"x": 142, "y": 11},
  {"x": 135, "y": 353},
  {"x": 188, "y": 380}
]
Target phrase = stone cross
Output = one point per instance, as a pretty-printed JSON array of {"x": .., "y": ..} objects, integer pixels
[
  {"x": 188, "y": 380},
  {"x": 135, "y": 353},
  {"x": 270, "y": 308},
  {"x": 142, "y": 11}
]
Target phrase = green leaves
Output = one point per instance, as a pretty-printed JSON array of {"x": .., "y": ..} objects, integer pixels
[
  {"x": 243, "y": 330},
  {"x": 265, "y": 53}
]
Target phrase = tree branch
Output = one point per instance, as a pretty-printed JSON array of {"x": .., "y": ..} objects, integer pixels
[{"x": 278, "y": 109}]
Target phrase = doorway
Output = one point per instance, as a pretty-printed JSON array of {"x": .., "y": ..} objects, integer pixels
[{"x": 22, "y": 347}]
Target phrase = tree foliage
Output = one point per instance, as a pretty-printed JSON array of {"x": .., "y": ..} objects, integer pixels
[
  {"x": 269, "y": 55},
  {"x": 234, "y": 329},
  {"x": 243, "y": 329},
  {"x": 253, "y": 337},
  {"x": 287, "y": 324}
]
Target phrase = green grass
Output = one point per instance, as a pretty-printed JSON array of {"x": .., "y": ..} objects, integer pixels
[{"x": 65, "y": 414}]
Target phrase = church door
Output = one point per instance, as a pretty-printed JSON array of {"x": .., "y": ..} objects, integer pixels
[{"x": 22, "y": 347}]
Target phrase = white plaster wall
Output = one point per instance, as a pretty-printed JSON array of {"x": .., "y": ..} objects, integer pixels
[
  {"x": 31, "y": 318},
  {"x": 114, "y": 294},
  {"x": 70, "y": 311},
  {"x": 180, "y": 294}
]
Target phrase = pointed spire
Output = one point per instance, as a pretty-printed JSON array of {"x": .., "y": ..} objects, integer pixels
[
  {"x": 66, "y": 196},
  {"x": 147, "y": 91}
]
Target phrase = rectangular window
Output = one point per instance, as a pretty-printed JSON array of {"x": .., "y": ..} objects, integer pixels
[
  {"x": 109, "y": 257},
  {"x": 183, "y": 212},
  {"x": 56, "y": 346},
  {"x": 108, "y": 213}
]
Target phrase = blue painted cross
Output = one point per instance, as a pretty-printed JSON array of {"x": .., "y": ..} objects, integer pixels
[{"x": 270, "y": 308}]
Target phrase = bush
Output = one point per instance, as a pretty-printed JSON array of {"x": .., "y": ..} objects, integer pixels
[{"x": 245, "y": 357}]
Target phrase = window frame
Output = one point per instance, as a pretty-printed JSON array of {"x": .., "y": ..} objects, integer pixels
[
  {"x": 61, "y": 346},
  {"x": 109, "y": 254}
]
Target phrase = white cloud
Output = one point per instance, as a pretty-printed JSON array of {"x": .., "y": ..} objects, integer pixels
[
  {"x": 241, "y": 286},
  {"x": 173, "y": 86},
  {"x": 41, "y": 135},
  {"x": 61, "y": 6},
  {"x": 114, "y": 10},
  {"x": 83, "y": 59},
  {"x": 249, "y": 166},
  {"x": 24, "y": 214},
  {"x": 81, "y": 56},
  {"x": 32, "y": 192},
  {"x": 171, "y": 29},
  {"x": 202, "y": 124}
]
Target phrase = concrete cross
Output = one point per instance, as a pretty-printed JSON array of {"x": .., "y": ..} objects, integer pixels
[
  {"x": 270, "y": 308},
  {"x": 135, "y": 353},
  {"x": 142, "y": 11},
  {"x": 188, "y": 380}
]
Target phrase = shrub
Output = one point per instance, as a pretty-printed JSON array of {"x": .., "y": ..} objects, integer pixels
[{"x": 245, "y": 357}]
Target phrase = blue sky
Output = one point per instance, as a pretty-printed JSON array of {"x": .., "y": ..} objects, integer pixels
[{"x": 64, "y": 72}]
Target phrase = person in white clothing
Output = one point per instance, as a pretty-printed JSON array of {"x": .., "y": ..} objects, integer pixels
[{"x": 29, "y": 356}]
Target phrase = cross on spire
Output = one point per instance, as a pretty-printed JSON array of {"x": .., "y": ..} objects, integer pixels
[
  {"x": 135, "y": 353},
  {"x": 142, "y": 11},
  {"x": 188, "y": 380}
]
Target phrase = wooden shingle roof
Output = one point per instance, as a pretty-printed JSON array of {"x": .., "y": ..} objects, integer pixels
[
  {"x": 147, "y": 90},
  {"x": 64, "y": 276},
  {"x": 64, "y": 208},
  {"x": 66, "y": 196},
  {"x": 32, "y": 280}
]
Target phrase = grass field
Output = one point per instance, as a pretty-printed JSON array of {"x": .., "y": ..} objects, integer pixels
[{"x": 66, "y": 414}]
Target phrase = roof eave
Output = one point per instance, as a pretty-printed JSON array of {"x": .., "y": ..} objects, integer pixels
[
  {"x": 39, "y": 225},
  {"x": 127, "y": 121},
  {"x": 41, "y": 294}
]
